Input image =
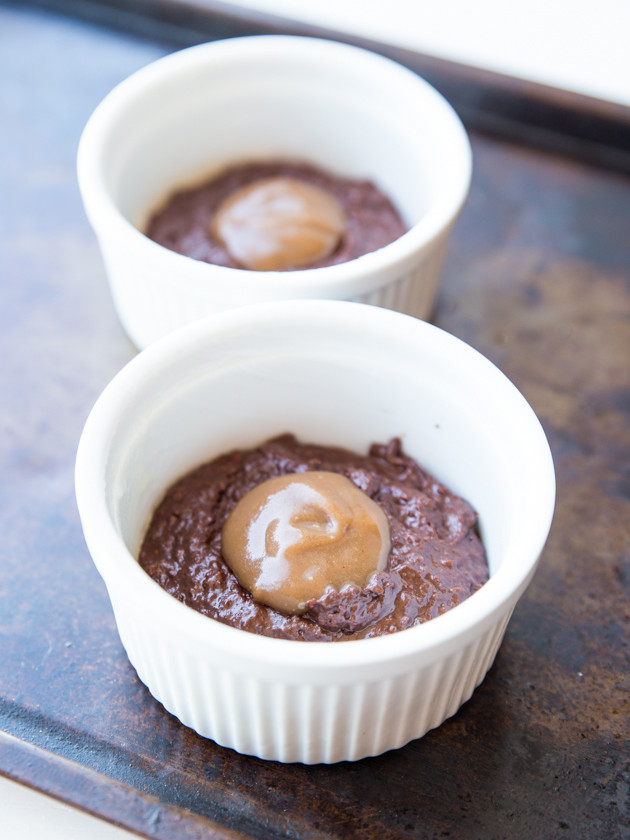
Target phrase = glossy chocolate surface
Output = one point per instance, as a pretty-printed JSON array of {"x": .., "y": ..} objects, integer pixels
[
  {"x": 186, "y": 222},
  {"x": 436, "y": 559}
]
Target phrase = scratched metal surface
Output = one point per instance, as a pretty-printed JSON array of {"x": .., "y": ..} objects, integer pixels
[{"x": 537, "y": 279}]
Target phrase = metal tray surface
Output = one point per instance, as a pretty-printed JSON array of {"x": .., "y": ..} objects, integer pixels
[{"x": 538, "y": 279}]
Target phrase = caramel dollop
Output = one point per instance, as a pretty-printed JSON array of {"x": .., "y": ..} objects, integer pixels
[
  {"x": 279, "y": 223},
  {"x": 294, "y": 537}
]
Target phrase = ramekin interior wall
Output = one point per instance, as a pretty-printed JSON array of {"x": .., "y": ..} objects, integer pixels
[
  {"x": 203, "y": 118},
  {"x": 327, "y": 386}
]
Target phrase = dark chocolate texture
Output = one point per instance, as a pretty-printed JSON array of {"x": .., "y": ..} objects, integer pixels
[
  {"x": 437, "y": 559},
  {"x": 184, "y": 223}
]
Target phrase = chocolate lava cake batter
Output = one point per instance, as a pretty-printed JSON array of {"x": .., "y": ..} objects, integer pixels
[
  {"x": 335, "y": 219},
  {"x": 434, "y": 560}
]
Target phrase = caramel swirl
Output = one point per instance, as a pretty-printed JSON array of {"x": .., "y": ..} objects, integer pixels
[
  {"x": 279, "y": 223},
  {"x": 294, "y": 537}
]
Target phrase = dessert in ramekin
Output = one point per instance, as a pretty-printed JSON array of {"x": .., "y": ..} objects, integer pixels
[
  {"x": 342, "y": 374},
  {"x": 196, "y": 112}
]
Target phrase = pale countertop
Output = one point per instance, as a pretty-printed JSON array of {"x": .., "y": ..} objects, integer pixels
[
  {"x": 576, "y": 45},
  {"x": 28, "y": 815},
  {"x": 571, "y": 44}
]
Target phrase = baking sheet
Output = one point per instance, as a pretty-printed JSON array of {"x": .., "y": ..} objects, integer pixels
[{"x": 537, "y": 279}]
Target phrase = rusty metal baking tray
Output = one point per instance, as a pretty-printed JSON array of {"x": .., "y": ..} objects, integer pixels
[{"x": 538, "y": 279}]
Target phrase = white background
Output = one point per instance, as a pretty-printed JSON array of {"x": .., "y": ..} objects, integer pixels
[{"x": 578, "y": 45}]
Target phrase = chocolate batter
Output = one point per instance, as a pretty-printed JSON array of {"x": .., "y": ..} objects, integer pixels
[
  {"x": 436, "y": 561},
  {"x": 185, "y": 223}
]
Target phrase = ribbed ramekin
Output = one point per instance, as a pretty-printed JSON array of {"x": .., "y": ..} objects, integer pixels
[
  {"x": 334, "y": 373},
  {"x": 194, "y": 112}
]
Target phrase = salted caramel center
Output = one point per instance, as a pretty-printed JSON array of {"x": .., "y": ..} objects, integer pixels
[
  {"x": 293, "y": 537},
  {"x": 280, "y": 223}
]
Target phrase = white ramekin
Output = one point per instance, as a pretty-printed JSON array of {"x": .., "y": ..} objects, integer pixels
[
  {"x": 192, "y": 113},
  {"x": 332, "y": 372}
]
